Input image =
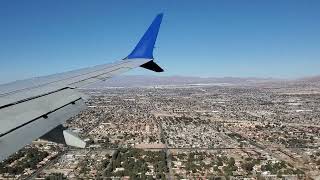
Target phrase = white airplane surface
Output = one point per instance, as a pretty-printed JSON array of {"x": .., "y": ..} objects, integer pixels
[{"x": 34, "y": 108}]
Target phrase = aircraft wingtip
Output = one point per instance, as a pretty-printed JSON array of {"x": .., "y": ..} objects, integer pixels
[{"x": 144, "y": 48}]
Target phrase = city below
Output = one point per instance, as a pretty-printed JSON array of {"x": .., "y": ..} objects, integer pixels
[{"x": 185, "y": 128}]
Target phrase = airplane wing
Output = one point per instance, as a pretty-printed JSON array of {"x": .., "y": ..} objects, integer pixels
[{"x": 31, "y": 108}]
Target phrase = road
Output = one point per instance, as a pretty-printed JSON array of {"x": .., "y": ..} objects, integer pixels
[
  {"x": 51, "y": 162},
  {"x": 168, "y": 159},
  {"x": 278, "y": 153}
]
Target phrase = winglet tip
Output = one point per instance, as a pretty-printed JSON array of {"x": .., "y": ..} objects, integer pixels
[
  {"x": 160, "y": 15},
  {"x": 144, "y": 48}
]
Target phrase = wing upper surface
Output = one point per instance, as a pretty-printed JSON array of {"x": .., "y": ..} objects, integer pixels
[{"x": 31, "y": 108}]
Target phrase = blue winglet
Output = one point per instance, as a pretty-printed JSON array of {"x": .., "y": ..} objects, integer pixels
[{"x": 144, "y": 49}]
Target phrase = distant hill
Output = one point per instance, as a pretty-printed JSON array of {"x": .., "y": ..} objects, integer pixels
[
  {"x": 140, "y": 80},
  {"x": 311, "y": 79}
]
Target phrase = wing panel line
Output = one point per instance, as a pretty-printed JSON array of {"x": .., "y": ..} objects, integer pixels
[
  {"x": 16, "y": 91},
  {"x": 31, "y": 98},
  {"x": 44, "y": 115},
  {"x": 41, "y": 95}
]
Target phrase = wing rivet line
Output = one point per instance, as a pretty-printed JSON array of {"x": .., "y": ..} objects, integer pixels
[{"x": 45, "y": 116}]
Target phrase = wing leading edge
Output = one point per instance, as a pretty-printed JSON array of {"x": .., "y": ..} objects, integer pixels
[{"x": 31, "y": 108}]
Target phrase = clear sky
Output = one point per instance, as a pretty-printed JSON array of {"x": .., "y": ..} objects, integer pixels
[{"x": 256, "y": 38}]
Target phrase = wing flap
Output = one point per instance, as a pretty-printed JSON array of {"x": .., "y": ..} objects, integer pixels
[
  {"x": 16, "y": 115},
  {"x": 18, "y": 138}
]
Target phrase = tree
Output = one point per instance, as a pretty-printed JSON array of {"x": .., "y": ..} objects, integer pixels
[
  {"x": 219, "y": 163},
  {"x": 56, "y": 176},
  {"x": 248, "y": 166},
  {"x": 160, "y": 176},
  {"x": 231, "y": 162}
]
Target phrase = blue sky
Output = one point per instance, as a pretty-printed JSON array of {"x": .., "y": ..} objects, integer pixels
[{"x": 242, "y": 38}]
